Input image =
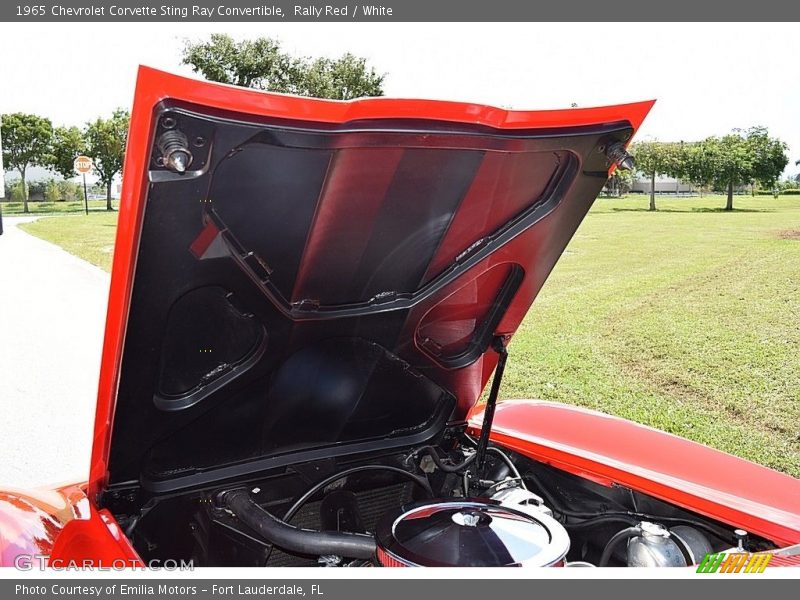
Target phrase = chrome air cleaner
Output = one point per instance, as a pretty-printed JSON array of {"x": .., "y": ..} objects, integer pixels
[{"x": 474, "y": 532}]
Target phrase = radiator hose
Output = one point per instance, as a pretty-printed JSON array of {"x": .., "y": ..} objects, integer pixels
[
  {"x": 295, "y": 539},
  {"x": 616, "y": 539}
]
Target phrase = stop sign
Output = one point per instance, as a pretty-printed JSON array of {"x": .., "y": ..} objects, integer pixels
[{"x": 82, "y": 164}]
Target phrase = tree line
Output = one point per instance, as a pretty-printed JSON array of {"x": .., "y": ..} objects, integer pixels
[
  {"x": 31, "y": 140},
  {"x": 743, "y": 157},
  {"x": 51, "y": 190},
  {"x": 263, "y": 64}
]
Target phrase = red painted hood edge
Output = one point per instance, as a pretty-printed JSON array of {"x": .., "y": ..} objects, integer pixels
[
  {"x": 96, "y": 540},
  {"x": 61, "y": 524},
  {"x": 154, "y": 86},
  {"x": 158, "y": 85},
  {"x": 610, "y": 450}
]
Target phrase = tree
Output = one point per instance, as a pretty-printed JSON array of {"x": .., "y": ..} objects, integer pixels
[
  {"x": 258, "y": 63},
  {"x": 769, "y": 157},
  {"x": 731, "y": 161},
  {"x": 52, "y": 191},
  {"x": 620, "y": 182},
  {"x": 67, "y": 143},
  {"x": 14, "y": 192},
  {"x": 343, "y": 79},
  {"x": 105, "y": 143},
  {"x": 262, "y": 64},
  {"x": 655, "y": 158},
  {"x": 70, "y": 190},
  {"x": 695, "y": 164},
  {"x": 742, "y": 157},
  {"x": 26, "y": 142}
]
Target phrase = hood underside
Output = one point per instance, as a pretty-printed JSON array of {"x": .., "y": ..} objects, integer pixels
[{"x": 316, "y": 282}]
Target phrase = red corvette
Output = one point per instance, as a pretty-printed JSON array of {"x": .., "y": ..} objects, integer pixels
[{"x": 308, "y": 298}]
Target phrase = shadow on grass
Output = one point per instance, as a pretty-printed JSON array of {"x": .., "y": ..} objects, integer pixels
[
  {"x": 48, "y": 209},
  {"x": 698, "y": 209}
]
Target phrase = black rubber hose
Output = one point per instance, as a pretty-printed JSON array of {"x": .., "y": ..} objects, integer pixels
[
  {"x": 638, "y": 516},
  {"x": 684, "y": 548},
  {"x": 295, "y": 539},
  {"x": 509, "y": 463},
  {"x": 298, "y": 504},
  {"x": 600, "y": 520},
  {"x": 615, "y": 540},
  {"x": 431, "y": 451}
]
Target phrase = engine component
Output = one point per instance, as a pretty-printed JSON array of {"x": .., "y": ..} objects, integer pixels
[
  {"x": 431, "y": 452},
  {"x": 519, "y": 498},
  {"x": 373, "y": 504},
  {"x": 419, "y": 480},
  {"x": 175, "y": 155},
  {"x": 619, "y": 156},
  {"x": 469, "y": 533},
  {"x": 694, "y": 541},
  {"x": 654, "y": 547},
  {"x": 621, "y": 536},
  {"x": 741, "y": 539},
  {"x": 289, "y": 537}
]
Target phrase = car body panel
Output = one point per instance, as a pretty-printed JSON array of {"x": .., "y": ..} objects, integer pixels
[
  {"x": 537, "y": 246},
  {"x": 95, "y": 541},
  {"x": 31, "y": 520},
  {"x": 611, "y": 450},
  {"x": 59, "y": 527}
]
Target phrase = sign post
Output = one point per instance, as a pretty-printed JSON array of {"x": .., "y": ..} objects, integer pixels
[{"x": 82, "y": 165}]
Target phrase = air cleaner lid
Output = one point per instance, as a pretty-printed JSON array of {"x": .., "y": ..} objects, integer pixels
[{"x": 470, "y": 533}]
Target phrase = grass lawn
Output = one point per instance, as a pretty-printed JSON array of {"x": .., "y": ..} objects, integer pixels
[
  {"x": 54, "y": 208},
  {"x": 89, "y": 236},
  {"x": 687, "y": 319}
]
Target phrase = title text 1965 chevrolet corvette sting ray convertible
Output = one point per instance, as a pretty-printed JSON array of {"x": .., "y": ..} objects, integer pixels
[{"x": 308, "y": 298}]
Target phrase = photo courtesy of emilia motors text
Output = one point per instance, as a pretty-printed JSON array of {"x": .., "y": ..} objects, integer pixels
[{"x": 332, "y": 300}]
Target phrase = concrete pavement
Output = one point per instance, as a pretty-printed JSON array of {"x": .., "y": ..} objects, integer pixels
[{"x": 52, "y": 315}]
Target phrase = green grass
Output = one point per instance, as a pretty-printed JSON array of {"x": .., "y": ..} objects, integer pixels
[
  {"x": 53, "y": 208},
  {"x": 90, "y": 237},
  {"x": 687, "y": 319}
]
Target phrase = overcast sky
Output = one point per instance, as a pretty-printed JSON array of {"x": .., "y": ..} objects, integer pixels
[{"x": 707, "y": 78}]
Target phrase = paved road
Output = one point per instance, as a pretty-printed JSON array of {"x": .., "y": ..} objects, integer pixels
[{"x": 52, "y": 314}]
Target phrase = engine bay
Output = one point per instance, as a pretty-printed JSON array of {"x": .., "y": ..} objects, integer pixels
[{"x": 431, "y": 505}]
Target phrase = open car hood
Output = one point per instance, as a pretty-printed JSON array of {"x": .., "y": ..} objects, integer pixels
[{"x": 313, "y": 278}]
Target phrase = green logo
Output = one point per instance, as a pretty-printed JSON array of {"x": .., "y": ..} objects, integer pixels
[{"x": 734, "y": 562}]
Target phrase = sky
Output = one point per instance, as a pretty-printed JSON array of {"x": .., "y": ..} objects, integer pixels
[{"x": 706, "y": 78}]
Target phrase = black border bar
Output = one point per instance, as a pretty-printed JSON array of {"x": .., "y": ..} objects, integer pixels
[{"x": 277, "y": 11}]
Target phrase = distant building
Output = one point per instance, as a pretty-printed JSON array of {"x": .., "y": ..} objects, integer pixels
[
  {"x": 664, "y": 185},
  {"x": 670, "y": 185},
  {"x": 42, "y": 174}
]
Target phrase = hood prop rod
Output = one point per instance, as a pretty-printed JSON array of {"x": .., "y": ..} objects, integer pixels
[{"x": 499, "y": 346}]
